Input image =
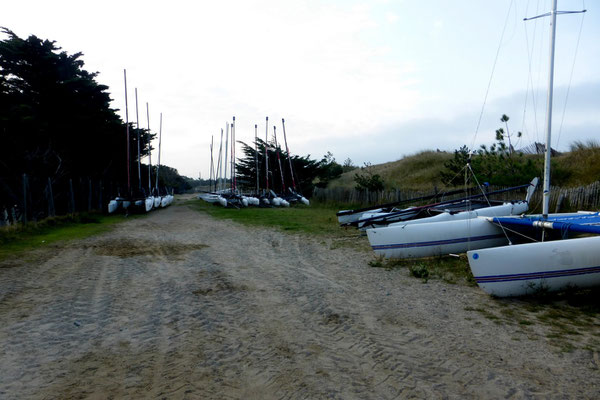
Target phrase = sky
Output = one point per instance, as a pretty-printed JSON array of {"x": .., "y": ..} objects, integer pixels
[{"x": 370, "y": 81}]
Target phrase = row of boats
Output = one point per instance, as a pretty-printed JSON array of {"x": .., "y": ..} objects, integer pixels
[
  {"x": 227, "y": 194},
  {"x": 140, "y": 201},
  {"x": 510, "y": 252}
]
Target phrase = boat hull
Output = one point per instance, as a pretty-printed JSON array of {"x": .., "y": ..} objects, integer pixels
[
  {"x": 435, "y": 238},
  {"x": 529, "y": 268}
]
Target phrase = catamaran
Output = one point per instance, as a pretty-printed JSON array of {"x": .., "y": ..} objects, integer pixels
[
  {"x": 549, "y": 265},
  {"x": 445, "y": 233}
]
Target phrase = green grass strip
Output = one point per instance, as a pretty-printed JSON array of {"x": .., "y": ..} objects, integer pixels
[{"x": 22, "y": 238}]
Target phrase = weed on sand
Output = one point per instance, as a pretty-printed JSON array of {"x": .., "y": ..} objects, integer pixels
[{"x": 22, "y": 238}]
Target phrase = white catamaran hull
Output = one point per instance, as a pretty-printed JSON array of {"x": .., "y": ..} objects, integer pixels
[
  {"x": 149, "y": 203},
  {"x": 526, "y": 268},
  {"x": 435, "y": 238},
  {"x": 494, "y": 211}
]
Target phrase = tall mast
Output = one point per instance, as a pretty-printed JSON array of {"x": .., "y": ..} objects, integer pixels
[
  {"x": 552, "y": 14},
  {"x": 288, "y": 154},
  {"x": 233, "y": 159},
  {"x": 211, "y": 162},
  {"x": 159, "y": 143},
  {"x": 267, "y": 156},
  {"x": 226, "y": 150},
  {"x": 279, "y": 160},
  {"x": 137, "y": 123},
  {"x": 546, "y": 204},
  {"x": 218, "y": 173},
  {"x": 149, "y": 152},
  {"x": 127, "y": 131},
  {"x": 256, "y": 154}
]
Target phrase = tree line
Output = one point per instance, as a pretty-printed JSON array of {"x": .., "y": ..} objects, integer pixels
[{"x": 56, "y": 120}]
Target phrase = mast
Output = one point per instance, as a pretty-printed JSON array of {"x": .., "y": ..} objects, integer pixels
[
  {"x": 233, "y": 167},
  {"x": 226, "y": 150},
  {"x": 267, "y": 157},
  {"x": 159, "y": 143},
  {"x": 279, "y": 161},
  {"x": 256, "y": 154},
  {"x": 546, "y": 204},
  {"x": 137, "y": 123},
  {"x": 149, "y": 152},
  {"x": 211, "y": 161},
  {"x": 552, "y": 14},
  {"x": 218, "y": 173},
  {"x": 288, "y": 154},
  {"x": 231, "y": 161},
  {"x": 127, "y": 131}
]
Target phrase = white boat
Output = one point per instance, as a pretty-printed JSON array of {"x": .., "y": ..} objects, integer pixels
[
  {"x": 113, "y": 205},
  {"x": 149, "y": 203},
  {"x": 523, "y": 269},
  {"x": 435, "y": 238},
  {"x": 445, "y": 233},
  {"x": 533, "y": 267},
  {"x": 157, "y": 201}
]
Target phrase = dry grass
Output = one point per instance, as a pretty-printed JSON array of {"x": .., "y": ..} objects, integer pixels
[{"x": 418, "y": 171}]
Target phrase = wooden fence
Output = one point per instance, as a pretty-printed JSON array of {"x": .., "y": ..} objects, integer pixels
[
  {"x": 561, "y": 199},
  {"x": 29, "y": 198}
]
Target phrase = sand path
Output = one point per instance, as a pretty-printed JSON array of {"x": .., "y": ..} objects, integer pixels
[{"x": 180, "y": 305}]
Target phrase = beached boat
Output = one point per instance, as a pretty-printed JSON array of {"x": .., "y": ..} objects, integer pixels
[
  {"x": 550, "y": 265},
  {"x": 445, "y": 233}
]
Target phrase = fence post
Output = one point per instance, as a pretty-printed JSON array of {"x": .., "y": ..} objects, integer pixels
[
  {"x": 24, "y": 212},
  {"x": 50, "y": 194},
  {"x": 71, "y": 197},
  {"x": 89, "y": 194},
  {"x": 100, "y": 195}
]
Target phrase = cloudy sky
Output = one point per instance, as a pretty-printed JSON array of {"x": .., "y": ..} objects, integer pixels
[{"x": 367, "y": 80}]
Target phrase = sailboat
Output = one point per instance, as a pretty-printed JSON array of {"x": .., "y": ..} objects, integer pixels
[
  {"x": 445, "y": 233},
  {"x": 441, "y": 211},
  {"x": 293, "y": 196},
  {"x": 141, "y": 202},
  {"x": 549, "y": 265},
  {"x": 123, "y": 202}
]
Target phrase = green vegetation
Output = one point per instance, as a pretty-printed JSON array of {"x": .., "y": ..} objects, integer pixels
[
  {"x": 450, "y": 269},
  {"x": 498, "y": 164},
  {"x": 315, "y": 220},
  {"x": 22, "y": 238},
  {"x": 418, "y": 171},
  {"x": 366, "y": 179}
]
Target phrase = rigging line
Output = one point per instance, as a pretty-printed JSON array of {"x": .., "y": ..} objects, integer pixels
[
  {"x": 491, "y": 75},
  {"x": 513, "y": 231},
  {"x": 488, "y": 201},
  {"x": 530, "y": 80},
  {"x": 570, "y": 78}
]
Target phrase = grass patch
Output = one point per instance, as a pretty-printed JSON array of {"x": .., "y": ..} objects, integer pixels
[
  {"x": 316, "y": 220},
  {"x": 450, "y": 269},
  {"x": 22, "y": 238}
]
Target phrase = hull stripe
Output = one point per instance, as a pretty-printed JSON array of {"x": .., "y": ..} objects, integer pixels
[
  {"x": 436, "y": 242},
  {"x": 537, "y": 275}
]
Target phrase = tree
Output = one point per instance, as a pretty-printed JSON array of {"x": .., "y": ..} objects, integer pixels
[
  {"x": 453, "y": 174},
  {"x": 329, "y": 170},
  {"x": 305, "y": 169},
  {"x": 497, "y": 164},
  {"x": 56, "y": 120},
  {"x": 367, "y": 179}
]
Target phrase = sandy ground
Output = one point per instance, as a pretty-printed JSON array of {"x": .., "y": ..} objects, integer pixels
[{"x": 180, "y": 305}]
